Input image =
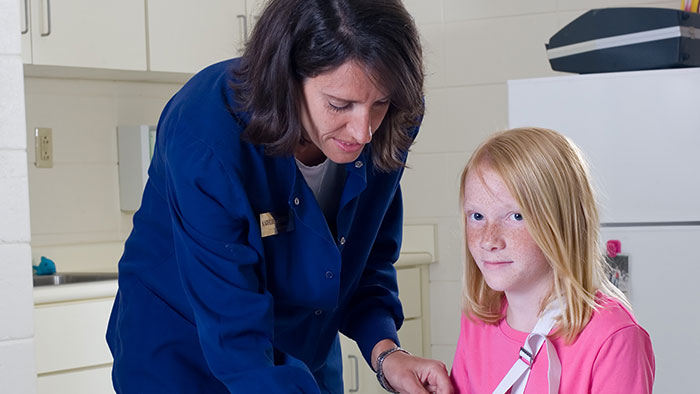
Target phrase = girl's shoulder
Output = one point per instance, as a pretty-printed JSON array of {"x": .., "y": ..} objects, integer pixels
[{"x": 610, "y": 317}]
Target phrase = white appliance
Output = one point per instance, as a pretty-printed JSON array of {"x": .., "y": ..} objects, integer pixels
[
  {"x": 641, "y": 134},
  {"x": 135, "y": 150}
]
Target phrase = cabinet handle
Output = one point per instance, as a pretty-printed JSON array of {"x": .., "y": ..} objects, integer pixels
[
  {"x": 48, "y": 18},
  {"x": 357, "y": 374},
  {"x": 26, "y": 17},
  {"x": 243, "y": 22}
]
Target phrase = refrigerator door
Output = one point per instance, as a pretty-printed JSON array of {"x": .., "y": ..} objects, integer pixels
[
  {"x": 639, "y": 131},
  {"x": 664, "y": 268}
]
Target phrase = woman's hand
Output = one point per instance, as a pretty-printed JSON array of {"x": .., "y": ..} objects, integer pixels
[
  {"x": 410, "y": 374},
  {"x": 416, "y": 375}
]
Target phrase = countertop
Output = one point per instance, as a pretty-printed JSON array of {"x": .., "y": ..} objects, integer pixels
[{"x": 108, "y": 288}]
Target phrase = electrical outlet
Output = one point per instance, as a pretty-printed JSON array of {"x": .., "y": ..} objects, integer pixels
[{"x": 43, "y": 143}]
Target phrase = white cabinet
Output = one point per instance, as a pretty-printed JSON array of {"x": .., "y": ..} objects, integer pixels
[
  {"x": 156, "y": 35},
  {"x": 185, "y": 36},
  {"x": 25, "y": 21},
  {"x": 72, "y": 356},
  {"x": 84, "y": 33},
  {"x": 253, "y": 10}
]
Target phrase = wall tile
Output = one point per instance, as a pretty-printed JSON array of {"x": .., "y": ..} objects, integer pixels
[
  {"x": 423, "y": 186},
  {"x": 76, "y": 201},
  {"x": 571, "y": 10},
  {"x": 15, "y": 292},
  {"x": 425, "y": 11},
  {"x": 13, "y": 164},
  {"x": 457, "y": 119},
  {"x": 73, "y": 198},
  {"x": 142, "y": 103},
  {"x": 17, "y": 367},
  {"x": 97, "y": 257},
  {"x": 83, "y": 126},
  {"x": 14, "y": 209},
  {"x": 449, "y": 252},
  {"x": 14, "y": 199},
  {"x": 445, "y": 312},
  {"x": 591, "y": 4},
  {"x": 431, "y": 185},
  {"x": 444, "y": 353},
  {"x": 566, "y": 17},
  {"x": 10, "y": 19},
  {"x": 498, "y": 49},
  {"x": 461, "y": 10},
  {"x": 11, "y": 102},
  {"x": 433, "y": 41}
]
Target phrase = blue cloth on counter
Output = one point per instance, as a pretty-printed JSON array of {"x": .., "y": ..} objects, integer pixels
[
  {"x": 208, "y": 305},
  {"x": 46, "y": 267}
]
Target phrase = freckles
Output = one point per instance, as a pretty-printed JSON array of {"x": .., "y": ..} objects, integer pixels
[{"x": 523, "y": 241}]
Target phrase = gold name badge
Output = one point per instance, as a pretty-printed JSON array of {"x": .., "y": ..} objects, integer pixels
[{"x": 273, "y": 223}]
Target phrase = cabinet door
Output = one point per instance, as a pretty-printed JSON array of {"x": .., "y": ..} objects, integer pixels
[
  {"x": 71, "y": 335},
  {"x": 410, "y": 291},
  {"x": 25, "y": 24},
  {"x": 186, "y": 36},
  {"x": 253, "y": 10},
  {"x": 411, "y": 336},
  {"x": 89, "y": 33},
  {"x": 96, "y": 380},
  {"x": 358, "y": 377}
]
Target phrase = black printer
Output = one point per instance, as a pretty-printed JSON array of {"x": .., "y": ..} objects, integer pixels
[{"x": 626, "y": 39}]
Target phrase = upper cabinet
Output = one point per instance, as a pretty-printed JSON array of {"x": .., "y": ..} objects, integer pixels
[
  {"x": 181, "y": 36},
  {"x": 186, "y": 36},
  {"x": 84, "y": 33},
  {"x": 24, "y": 28},
  {"x": 253, "y": 10}
]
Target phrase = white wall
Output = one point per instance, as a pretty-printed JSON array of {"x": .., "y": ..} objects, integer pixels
[
  {"x": 472, "y": 47},
  {"x": 16, "y": 325},
  {"x": 75, "y": 215}
]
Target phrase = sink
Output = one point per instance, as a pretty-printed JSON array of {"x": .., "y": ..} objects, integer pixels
[{"x": 65, "y": 278}]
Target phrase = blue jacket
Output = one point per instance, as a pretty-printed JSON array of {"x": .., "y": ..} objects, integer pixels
[{"x": 206, "y": 304}]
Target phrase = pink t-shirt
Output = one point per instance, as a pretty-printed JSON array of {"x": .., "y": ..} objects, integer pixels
[{"x": 612, "y": 354}]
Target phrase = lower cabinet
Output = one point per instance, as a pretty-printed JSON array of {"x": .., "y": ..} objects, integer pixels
[
  {"x": 414, "y": 336},
  {"x": 94, "y": 380},
  {"x": 72, "y": 356}
]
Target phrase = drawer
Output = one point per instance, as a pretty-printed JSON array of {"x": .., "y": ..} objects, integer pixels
[
  {"x": 71, "y": 335},
  {"x": 411, "y": 336},
  {"x": 88, "y": 381},
  {"x": 410, "y": 291}
]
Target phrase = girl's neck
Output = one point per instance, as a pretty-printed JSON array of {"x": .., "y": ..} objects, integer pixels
[{"x": 524, "y": 308}]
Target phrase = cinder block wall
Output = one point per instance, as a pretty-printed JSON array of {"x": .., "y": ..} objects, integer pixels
[
  {"x": 17, "y": 371},
  {"x": 472, "y": 47}
]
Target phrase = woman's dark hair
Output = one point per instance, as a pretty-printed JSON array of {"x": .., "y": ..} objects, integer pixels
[{"x": 298, "y": 39}]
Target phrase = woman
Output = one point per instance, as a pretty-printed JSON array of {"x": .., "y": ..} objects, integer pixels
[
  {"x": 272, "y": 214},
  {"x": 540, "y": 315}
]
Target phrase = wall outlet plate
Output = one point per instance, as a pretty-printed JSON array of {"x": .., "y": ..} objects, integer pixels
[{"x": 43, "y": 144}]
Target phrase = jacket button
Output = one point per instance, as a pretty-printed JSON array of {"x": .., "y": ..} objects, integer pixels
[
  {"x": 329, "y": 274},
  {"x": 358, "y": 164},
  {"x": 318, "y": 312},
  {"x": 342, "y": 240},
  {"x": 296, "y": 200}
]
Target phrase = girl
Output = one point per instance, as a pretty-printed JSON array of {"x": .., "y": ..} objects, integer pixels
[{"x": 540, "y": 315}]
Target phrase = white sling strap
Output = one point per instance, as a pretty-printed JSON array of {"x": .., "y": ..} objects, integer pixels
[{"x": 520, "y": 371}]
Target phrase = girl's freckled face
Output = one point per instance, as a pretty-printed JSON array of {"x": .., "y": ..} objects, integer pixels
[{"x": 498, "y": 238}]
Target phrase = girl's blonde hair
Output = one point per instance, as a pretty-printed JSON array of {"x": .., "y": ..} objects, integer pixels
[{"x": 549, "y": 178}]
